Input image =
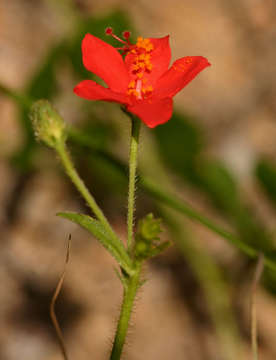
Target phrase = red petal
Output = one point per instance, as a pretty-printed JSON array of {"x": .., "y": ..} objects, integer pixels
[
  {"x": 153, "y": 113},
  {"x": 105, "y": 61},
  {"x": 179, "y": 75},
  {"x": 160, "y": 59},
  {"x": 90, "y": 90}
]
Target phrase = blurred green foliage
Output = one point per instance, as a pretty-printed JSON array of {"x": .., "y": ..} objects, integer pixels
[
  {"x": 180, "y": 143},
  {"x": 266, "y": 175}
]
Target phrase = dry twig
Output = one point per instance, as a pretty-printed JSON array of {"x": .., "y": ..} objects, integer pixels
[{"x": 53, "y": 303}]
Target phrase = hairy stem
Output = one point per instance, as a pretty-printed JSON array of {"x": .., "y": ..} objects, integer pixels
[
  {"x": 79, "y": 184},
  {"x": 130, "y": 289},
  {"x": 135, "y": 130}
]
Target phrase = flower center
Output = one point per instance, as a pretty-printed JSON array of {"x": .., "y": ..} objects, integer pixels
[
  {"x": 141, "y": 66},
  {"x": 140, "y": 56}
]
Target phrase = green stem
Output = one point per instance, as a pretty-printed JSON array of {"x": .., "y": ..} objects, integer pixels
[
  {"x": 135, "y": 130},
  {"x": 19, "y": 98},
  {"x": 131, "y": 286},
  {"x": 79, "y": 184}
]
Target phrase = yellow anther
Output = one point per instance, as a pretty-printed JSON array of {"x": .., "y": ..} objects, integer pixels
[
  {"x": 147, "y": 90},
  {"x": 149, "y": 48},
  {"x": 131, "y": 84},
  {"x": 136, "y": 67},
  {"x": 133, "y": 92},
  {"x": 142, "y": 65},
  {"x": 142, "y": 57},
  {"x": 144, "y": 44}
]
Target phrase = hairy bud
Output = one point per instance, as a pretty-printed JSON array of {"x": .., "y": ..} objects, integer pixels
[
  {"x": 147, "y": 242},
  {"x": 48, "y": 125}
]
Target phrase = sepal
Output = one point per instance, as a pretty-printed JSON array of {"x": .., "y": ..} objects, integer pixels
[{"x": 147, "y": 240}]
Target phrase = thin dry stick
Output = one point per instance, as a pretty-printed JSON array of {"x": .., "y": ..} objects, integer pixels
[
  {"x": 53, "y": 303},
  {"x": 256, "y": 280}
]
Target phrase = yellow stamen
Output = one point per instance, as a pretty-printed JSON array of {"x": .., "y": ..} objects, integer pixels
[
  {"x": 131, "y": 84},
  {"x": 141, "y": 64}
]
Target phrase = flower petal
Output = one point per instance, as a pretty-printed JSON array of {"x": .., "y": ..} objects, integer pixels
[
  {"x": 105, "y": 61},
  {"x": 160, "y": 59},
  {"x": 153, "y": 112},
  {"x": 90, "y": 90},
  {"x": 179, "y": 75}
]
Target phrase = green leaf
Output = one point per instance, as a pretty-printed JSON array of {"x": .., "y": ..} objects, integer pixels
[
  {"x": 159, "y": 248},
  {"x": 116, "y": 249},
  {"x": 181, "y": 136},
  {"x": 223, "y": 190},
  {"x": 266, "y": 175},
  {"x": 179, "y": 205},
  {"x": 216, "y": 180}
]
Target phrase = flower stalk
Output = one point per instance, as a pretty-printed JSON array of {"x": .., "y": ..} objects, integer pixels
[
  {"x": 81, "y": 187},
  {"x": 132, "y": 282},
  {"x": 135, "y": 130},
  {"x": 50, "y": 128},
  {"x": 131, "y": 286}
]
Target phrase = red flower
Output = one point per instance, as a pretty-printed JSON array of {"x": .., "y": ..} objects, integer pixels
[{"x": 141, "y": 81}]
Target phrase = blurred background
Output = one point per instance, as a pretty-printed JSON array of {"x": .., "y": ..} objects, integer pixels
[{"x": 217, "y": 153}]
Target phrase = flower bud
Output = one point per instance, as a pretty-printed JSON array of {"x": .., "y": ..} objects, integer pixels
[
  {"x": 48, "y": 125},
  {"x": 150, "y": 227},
  {"x": 147, "y": 241}
]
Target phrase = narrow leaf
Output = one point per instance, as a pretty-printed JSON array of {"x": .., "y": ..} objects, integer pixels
[{"x": 116, "y": 249}]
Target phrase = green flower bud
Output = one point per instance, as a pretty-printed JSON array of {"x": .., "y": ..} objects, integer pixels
[
  {"x": 149, "y": 227},
  {"x": 147, "y": 241},
  {"x": 48, "y": 125}
]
